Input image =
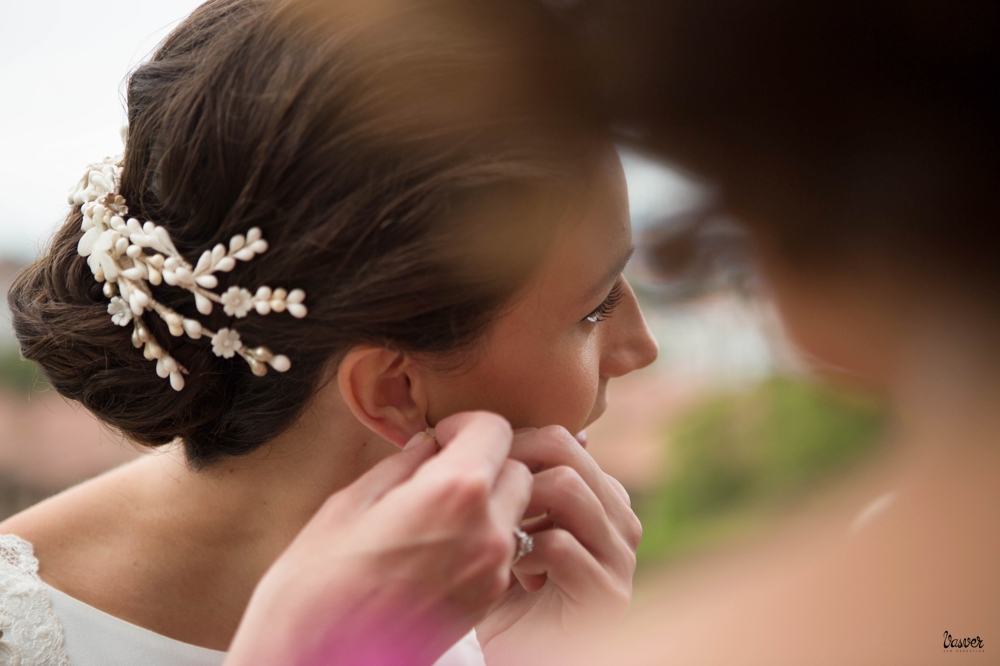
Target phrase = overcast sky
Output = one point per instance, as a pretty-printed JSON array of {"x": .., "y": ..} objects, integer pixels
[
  {"x": 62, "y": 68},
  {"x": 62, "y": 64}
]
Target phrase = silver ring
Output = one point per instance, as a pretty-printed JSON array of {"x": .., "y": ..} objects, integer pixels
[{"x": 525, "y": 544}]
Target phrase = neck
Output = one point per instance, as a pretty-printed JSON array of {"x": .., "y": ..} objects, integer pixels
[{"x": 253, "y": 506}]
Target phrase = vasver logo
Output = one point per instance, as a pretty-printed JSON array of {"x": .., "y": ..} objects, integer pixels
[{"x": 967, "y": 644}]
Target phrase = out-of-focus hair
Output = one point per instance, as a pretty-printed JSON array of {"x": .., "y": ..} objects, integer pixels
[{"x": 837, "y": 126}]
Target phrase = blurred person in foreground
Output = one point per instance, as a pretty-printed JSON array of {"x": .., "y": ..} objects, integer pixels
[{"x": 858, "y": 143}]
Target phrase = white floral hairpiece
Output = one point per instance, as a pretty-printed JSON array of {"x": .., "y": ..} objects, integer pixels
[{"x": 116, "y": 253}]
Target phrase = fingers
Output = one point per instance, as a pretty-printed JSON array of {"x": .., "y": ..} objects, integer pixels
[
  {"x": 572, "y": 505},
  {"x": 389, "y": 473},
  {"x": 480, "y": 442},
  {"x": 545, "y": 448},
  {"x": 628, "y": 523},
  {"x": 567, "y": 564},
  {"x": 552, "y": 446},
  {"x": 617, "y": 486},
  {"x": 473, "y": 444},
  {"x": 511, "y": 493}
]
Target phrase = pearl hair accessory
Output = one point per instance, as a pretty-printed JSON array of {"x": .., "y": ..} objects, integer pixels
[{"x": 129, "y": 256}]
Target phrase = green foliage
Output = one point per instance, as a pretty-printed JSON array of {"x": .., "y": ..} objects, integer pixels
[
  {"x": 17, "y": 374},
  {"x": 736, "y": 454}
]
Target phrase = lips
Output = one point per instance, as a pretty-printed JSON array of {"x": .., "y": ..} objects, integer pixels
[{"x": 582, "y": 438}]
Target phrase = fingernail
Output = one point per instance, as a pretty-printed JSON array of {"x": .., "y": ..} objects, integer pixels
[{"x": 417, "y": 440}]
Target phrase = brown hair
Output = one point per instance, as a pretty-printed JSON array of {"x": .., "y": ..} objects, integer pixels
[{"x": 291, "y": 118}]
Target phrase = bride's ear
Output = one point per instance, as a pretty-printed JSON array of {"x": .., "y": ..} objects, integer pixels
[{"x": 383, "y": 390}]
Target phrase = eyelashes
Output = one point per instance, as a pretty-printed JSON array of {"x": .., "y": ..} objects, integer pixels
[{"x": 605, "y": 309}]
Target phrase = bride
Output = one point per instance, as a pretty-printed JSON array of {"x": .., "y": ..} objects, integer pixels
[{"x": 287, "y": 278}]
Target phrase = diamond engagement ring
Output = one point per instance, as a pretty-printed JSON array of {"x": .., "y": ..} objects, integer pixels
[{"x": 525, "y": 544}]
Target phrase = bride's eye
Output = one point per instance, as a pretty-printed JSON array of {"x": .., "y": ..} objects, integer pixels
[{"x": 605, "y": 309}]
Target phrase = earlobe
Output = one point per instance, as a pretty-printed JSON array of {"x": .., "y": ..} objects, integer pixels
[{"x": 382, "y": 390}]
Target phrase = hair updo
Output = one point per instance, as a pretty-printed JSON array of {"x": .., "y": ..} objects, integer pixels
[{"x": 326, "y": 131}]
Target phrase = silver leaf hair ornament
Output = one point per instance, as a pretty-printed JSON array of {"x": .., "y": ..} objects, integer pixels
[{"x": 129, "y": 256}]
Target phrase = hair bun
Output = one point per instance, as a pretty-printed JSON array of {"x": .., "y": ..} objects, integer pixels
[{"x": 60, "y": 317}]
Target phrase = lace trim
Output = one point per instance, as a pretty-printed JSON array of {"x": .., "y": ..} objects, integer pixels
[
  {"x": 18, "y": 553},
  {"x": 32, "y": 634}
]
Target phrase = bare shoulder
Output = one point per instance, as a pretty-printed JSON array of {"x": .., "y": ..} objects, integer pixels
[
  {"x": 135, "y": 544},
  {"x": 72, "y": 532}
]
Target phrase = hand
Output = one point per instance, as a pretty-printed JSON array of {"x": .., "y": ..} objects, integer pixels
[
  {"x": 397, "y": 567},
  {"x": 578, "y": 578}
]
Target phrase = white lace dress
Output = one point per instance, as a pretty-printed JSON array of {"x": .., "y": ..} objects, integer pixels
[{"x": 41, "y": 626}]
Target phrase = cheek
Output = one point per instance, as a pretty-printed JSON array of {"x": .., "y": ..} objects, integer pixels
[
  {"x": 529, "y": 384},
  {"x": 561, "y": 386}
]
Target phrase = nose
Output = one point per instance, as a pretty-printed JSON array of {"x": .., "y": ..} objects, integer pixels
[{"x": 630, "y": 344}]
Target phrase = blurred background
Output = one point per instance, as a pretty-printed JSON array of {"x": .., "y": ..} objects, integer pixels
[{"x": 726, "y": 444}]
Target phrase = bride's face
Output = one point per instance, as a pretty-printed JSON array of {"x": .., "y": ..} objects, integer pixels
[{"x": 575, "y": 325}]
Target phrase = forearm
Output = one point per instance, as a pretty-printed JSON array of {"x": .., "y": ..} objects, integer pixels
[{"x": 357, "y": 618}]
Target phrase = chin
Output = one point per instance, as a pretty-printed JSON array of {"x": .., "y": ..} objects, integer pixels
[{"x": 600, "y": 406}]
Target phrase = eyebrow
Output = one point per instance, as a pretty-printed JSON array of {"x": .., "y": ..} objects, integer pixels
[{"x": 610, "y": 275}]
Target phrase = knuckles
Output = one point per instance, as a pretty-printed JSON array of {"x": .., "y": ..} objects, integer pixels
[
  {"x": 567, "y": 481},
  {"x": 556, "y": 434},
  {"x": 632, "y": 530},
  {"x": 522, "y": 471},
  {"x": 497, "y": 549},
  {"x": 560, "y": 544},
  {"x": 619, "y": 488},
  {"x": 629, "y": 525},
  {"x": 490, "y": 554}
]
